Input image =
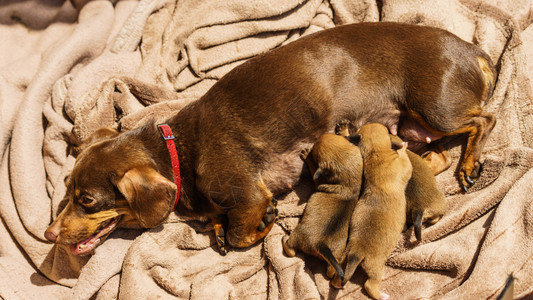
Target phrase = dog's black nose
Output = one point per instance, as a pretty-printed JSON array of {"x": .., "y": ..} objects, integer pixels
[{"x": 49, "y": 235}]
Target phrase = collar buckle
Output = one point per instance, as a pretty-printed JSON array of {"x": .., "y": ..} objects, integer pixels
[{"x": 165, "y": 131}]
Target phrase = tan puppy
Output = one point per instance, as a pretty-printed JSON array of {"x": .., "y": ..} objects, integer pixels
[
  {"x": 337, "y": 167},
  {"x": 379, "y": 216},
  {"x": 425, "y": 202}
]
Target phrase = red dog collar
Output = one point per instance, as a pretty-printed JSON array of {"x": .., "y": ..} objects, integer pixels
[{"x": 167, "y": 134}]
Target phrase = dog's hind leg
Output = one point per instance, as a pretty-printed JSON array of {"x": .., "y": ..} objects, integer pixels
[
  {"x": 477, "y": 125},
  {"x": 478, "y": 131}
]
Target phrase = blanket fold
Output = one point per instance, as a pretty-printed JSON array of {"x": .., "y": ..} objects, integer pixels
[{"x": 71, "y": 67}]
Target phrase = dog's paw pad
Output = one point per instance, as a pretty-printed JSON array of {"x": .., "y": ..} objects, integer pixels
[
  {"x": 270, "y": 215},
  {"x": 478, "y": 167},
  {"x": 223, "y": 250},
  {"x": 269, "y": 218},
  {"x": 261, "y": 226}
]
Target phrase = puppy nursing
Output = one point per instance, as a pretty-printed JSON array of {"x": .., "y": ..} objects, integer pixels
[
  {"x": 379, "y": 215},
  {"x": 425, "y": 202},
  {"x": 336, "y": 165},
  {"x": 364, "y": 196}
]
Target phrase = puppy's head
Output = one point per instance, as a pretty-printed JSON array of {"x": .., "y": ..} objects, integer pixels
[
  {"x": 114, "y": 182},
  {"x": 374, "y": 137},
  {"x": 338, "y": 159}
]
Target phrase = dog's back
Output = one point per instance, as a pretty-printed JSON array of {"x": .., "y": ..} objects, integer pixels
[{"x": 372, "y": 78}]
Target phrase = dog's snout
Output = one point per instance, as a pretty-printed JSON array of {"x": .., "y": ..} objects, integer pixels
[{"x": 51, "y": 234}]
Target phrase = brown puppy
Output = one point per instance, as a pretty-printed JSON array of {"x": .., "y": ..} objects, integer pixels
[
  {"x": 379, "y": 216},
  {"x": 337, "y": 168},
  {"x": 239, "y": 144},
  {"x": 425, "y": 202}
]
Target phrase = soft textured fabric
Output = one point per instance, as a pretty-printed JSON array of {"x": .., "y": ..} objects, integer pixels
[{"x": 68, "y": 68}]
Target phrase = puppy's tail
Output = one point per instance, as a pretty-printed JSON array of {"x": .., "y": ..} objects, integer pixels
[
  {"x": 508, "y": 289},
  {"x": 326, "y": 253},
  {"x": 352, "y": 262},
  {"x": 418, "y": 224}
]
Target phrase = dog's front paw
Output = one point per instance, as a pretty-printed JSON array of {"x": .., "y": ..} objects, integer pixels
[
  {"x": 270, "y": 215},
  {"x": 220, "y": 224},
  {"x": 221, "y": 242}
]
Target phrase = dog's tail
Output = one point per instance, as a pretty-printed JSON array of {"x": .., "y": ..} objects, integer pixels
[
  {"x": 489, "y": 74},
  {"x": 328, "y": 256},
  {"x": 417, "y": 217}
]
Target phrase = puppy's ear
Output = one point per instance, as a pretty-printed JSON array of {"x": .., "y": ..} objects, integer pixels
[
  {"x": 354, "y": 139},
  {"x": 318, "y": 174},
  {"x": 150, "y": 195},
  {"x": 101, "y": 134},
  {"x": 395, "y": 145}
]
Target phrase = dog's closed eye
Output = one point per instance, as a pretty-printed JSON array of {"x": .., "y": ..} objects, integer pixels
[{"x": 87, "y": 201}]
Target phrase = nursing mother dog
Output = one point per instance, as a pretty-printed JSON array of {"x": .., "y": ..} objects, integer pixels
[{"x": 238, "y": 146}]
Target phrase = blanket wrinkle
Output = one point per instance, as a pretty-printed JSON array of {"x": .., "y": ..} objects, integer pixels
[{"x": 71, "y": 67}]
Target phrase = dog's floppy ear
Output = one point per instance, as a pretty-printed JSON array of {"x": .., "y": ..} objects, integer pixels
[
  {"x": 354, "y": 139},
  {"x": 99, "y": 135},
  {"x": 150, "y": 195}
]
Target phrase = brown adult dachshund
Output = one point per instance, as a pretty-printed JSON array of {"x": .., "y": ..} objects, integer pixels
[{"x": 239, "y": 144}]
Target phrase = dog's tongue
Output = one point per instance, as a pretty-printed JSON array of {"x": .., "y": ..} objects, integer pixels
[
  {"x": 84, "y": 246},
  {"x": 88, "y": 244}
]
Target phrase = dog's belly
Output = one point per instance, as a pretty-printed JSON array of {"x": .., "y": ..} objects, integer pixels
[
  {"x": 410, "y": 130},
  {"x": 284, "y": 170}
]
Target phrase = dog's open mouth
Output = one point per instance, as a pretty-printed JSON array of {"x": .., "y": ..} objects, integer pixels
[{"x": 88, "y": 244}]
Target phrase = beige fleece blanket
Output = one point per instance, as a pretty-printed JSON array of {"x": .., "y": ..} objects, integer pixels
[{"x": 68, "y": 68}]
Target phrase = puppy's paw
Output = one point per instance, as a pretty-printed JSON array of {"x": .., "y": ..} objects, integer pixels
[
  {"x": 343, "y": 128},
  {"x": 304, "y": 153},
  {"x": 336, "y": 282},
  {"x": 289, "y": 251},
  {"x": 384, "y": 297}
]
